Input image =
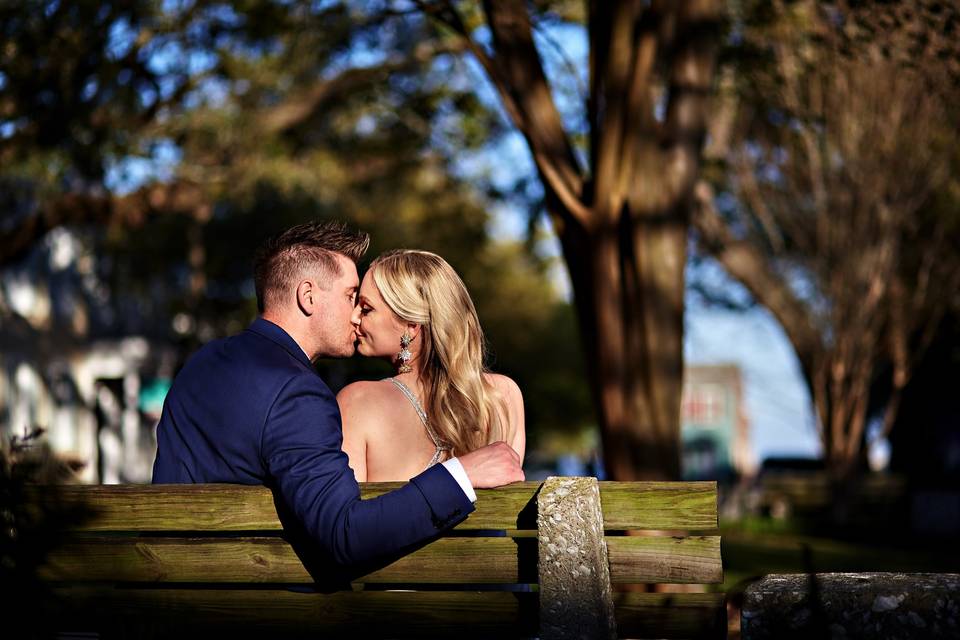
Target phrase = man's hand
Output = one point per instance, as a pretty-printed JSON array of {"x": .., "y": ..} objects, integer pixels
[{"x": 491, "y": 466}]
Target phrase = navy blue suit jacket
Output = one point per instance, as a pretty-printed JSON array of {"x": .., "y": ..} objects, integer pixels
[{"x": 251, "y": 409}]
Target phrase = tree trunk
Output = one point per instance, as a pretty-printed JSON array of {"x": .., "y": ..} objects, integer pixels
[
  {"x": 628, "y": 292},
  {"x": 622, "y": 219}
]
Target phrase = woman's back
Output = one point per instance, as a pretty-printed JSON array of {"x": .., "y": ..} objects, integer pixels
[{"x": 385, "y": 437}]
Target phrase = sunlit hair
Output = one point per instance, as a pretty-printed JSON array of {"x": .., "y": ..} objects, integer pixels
[
  {"x": 463, "y": 408},
  {"x": 308, "y": 247}
]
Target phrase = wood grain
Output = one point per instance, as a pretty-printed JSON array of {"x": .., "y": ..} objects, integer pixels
[
  {"x": 379, "y": 614},
  {"x": 447, "y": 561},
  {"x": 220, "y": 507}
]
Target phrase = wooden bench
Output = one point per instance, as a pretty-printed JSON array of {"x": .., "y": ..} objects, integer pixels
[{"x": 154, "y": 561}]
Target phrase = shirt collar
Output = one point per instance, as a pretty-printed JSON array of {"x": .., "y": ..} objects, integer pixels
[{"x": 275, "y": 333}]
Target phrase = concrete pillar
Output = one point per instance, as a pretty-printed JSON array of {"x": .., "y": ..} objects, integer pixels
[{"x": 576, "y": 599}]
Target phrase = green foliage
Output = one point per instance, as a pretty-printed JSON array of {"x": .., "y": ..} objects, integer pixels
[
  {"x": 30, "y": 526},
  {"x": 275, "y": 113}
]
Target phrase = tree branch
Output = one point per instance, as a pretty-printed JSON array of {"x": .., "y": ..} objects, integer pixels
[
  {"x": 690, "y": 85},
  {"x": 624, "y": 115},
  {"x": 101, "y": 209},
  {"x": 446, "y": 14},
  {"x": 743, "y": 261},
  {"x": 518, "y": 63},
  {"x": 308, "y": 103},
  {"x": 517, "y": 75}
]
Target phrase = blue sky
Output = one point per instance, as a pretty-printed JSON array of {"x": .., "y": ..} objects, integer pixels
[{"x": 777, "y": 401}]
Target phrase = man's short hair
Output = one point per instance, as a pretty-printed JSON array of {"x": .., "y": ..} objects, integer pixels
[{"x": 306, "y": 247}]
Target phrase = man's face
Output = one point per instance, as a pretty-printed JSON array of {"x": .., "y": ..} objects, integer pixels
[{"x": 333, "y": 329}]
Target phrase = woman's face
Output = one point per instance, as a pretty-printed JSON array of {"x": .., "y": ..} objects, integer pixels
[{"x": 378, "y": 328}]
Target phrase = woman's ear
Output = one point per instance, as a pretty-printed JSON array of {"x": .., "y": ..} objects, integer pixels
[
  {"x": 413, "y": 330},
  {"x": 307, "y": 297}
]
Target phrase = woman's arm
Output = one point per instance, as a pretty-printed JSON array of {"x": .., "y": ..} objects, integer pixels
[
  {"x": 517, "y": 418},
  {"x": 354, "y": 442},
  {"x": 513, "y": 404}
]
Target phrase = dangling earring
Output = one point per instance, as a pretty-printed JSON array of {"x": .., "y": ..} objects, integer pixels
[{"x": 404, "y": 356}]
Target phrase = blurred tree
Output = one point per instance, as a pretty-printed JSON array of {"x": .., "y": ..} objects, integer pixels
[
  {"x": 78, "y": 83},
  {"x": 838, "y": 143},
  {"x": 617, "y": 186},
  {"x": 266, "y": 114}
]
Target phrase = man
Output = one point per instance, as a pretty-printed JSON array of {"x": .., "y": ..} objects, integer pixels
[{"x": 250, "y": 409}]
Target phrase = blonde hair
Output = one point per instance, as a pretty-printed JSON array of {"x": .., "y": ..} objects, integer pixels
[{"x": 464, "y": 409}]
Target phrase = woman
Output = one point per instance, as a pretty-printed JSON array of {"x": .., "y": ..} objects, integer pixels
[{"x": 414, "y": 311}]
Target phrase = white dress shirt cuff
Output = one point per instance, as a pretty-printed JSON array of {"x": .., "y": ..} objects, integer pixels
[{"x": 460, "y": 475}]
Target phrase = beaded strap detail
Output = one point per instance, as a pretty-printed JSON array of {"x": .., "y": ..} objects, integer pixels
[{"x": 439, "y": 444}]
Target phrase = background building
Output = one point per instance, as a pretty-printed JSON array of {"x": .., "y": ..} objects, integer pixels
[{"x": 715, "y": 429}]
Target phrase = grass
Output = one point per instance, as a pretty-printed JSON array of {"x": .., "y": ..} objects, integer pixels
[{"x": 754, "y": 546}]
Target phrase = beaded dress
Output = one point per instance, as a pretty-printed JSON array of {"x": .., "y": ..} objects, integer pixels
[{"x": 441, "y": 447}]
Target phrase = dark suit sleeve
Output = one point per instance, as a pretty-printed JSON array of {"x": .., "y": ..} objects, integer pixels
[{"x": 301, "y": 448}]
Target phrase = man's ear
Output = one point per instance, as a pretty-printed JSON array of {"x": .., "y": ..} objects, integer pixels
[{"x": 307, "y": 298}]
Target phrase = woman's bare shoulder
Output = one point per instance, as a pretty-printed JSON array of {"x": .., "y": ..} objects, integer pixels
[
  {"x": 365, "y": 399},
  {"x": 511, "y": 394},
  {"x": 365, "y": 390},
  {"x": 505, "y": 385}
]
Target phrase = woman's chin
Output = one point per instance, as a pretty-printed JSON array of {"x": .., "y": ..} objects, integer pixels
[
  {"x": 367, "y": 351},
  {"x": 364, "y": 349}
]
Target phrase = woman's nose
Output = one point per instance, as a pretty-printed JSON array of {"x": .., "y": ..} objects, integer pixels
[{"x": 355, "y": 316}]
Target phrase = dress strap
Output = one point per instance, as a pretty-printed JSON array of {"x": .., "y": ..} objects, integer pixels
[
  {"x": 437, "y": 442},
  {"x": 412, "y": 398}
]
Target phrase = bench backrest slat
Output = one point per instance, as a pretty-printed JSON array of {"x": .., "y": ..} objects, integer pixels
[
  {"x": 497, "y": 560},
  {"x": 636, "y": 505},
  {"x": 273, "y": 613},
  {"x": 395, "y": 614}
]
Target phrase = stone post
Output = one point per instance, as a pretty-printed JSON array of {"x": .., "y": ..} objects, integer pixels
[{"x": 576, "y": 600}]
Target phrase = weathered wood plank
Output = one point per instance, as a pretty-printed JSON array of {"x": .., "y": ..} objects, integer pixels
[
  {"x": 693, "y": 560},
  {"x": 199, "y": 507},
  {"x": 637, "y": 505},
  {"x": 446, "y": 561},
  {"x": 369, "y": 614},
  {"x": 272, "y": 560},
  {"x": 690, "y": 506},
  {"x": 280, "y": 613},
  {"x": 671, "y": 615}
]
